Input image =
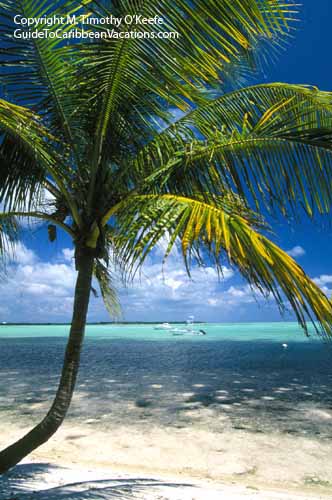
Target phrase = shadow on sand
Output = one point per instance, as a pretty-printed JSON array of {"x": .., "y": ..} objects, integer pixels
[
  {"x": 257, "y": 385},
  {"x": 29, "y": 482}
]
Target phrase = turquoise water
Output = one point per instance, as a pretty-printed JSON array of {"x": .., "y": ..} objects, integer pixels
[
  {"x": 134, "y": 373},
  {"x": 274, "y": 332}
]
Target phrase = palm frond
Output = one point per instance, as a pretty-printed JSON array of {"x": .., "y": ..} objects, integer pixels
[
  {"x": 25, "y": 156},
  {"x": 108, "y": 292},
  {"x": 132, "y": 82},
  {"x": 209, "y": 232},
  {"x": 9, "y": 231},
  {"x": 34, "y": 71},
  {"x": 28, "y": 157},
  {"x": 272, "y": 143},
  {"x": 9, "y": 234}
]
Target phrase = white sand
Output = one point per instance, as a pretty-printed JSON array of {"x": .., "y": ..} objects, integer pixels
[
  {"x": 231, "y": 465},
  {"x": 91, "y": 484}
]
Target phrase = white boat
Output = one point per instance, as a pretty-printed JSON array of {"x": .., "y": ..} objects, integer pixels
[
  {"x": 163, "y": 326},
  {"x": 189, "y": 329}
]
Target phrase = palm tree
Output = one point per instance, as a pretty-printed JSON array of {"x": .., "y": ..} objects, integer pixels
[{"x": 135, "y": 140}]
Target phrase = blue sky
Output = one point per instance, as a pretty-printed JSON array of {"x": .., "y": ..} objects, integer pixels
[{"x": 40, "y": 282}]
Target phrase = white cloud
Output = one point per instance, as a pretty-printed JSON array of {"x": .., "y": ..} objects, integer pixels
[
  {"x": 22, "y": 255},
  {"x": 36, "y": 290},
  {"x": 296, "y": 251},
  {"x": 43, "y": 291},
  {"x": 172, "y": 295},
  {"x": 173, "y": 283},
  {"x": 324, "y": 279},
  {"x": 68, "y": 254}
]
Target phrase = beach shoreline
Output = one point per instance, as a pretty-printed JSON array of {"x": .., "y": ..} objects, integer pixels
[{"x": 77, "y": 453}]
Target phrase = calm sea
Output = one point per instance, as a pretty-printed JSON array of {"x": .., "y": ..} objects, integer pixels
[
  {"x": 132, "y": 373},
  {"x": 272, "y": 332}
]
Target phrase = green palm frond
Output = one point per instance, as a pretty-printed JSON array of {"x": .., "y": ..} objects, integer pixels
[
  {"x": 208, "y": 233},
  {"x": 133, "y": 82},
  {"x": 251, "y": 104},
  {"x": 28, "y": 159},
  {"x": 9, "y": 234},
  {"x": 34, "y": 70},
  {"x": 9, "y": 231},
  {"x": 26, "y": 127},
  {"x": 25, "y": 156},
  {"x": 107, "y": 289},
  {"x": 271, "y": 142}
]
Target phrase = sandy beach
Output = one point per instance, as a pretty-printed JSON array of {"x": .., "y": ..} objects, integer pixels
[
  {"x": 185, "y": 463},
  {"x": 43, "y": 482}
]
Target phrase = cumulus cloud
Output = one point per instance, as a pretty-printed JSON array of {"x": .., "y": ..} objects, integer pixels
[
  {"x": 36, "y": 290},
  {"x": 22, "y": 255},
  {"x": 324, "y": 281},
  {"x": 42, "y": 291},
  {"x": 170, "y": 294},
  {"x": 68, "y": 254},
  {"x": 296, "y": 251},
  {"x": 173, "y": 283}
]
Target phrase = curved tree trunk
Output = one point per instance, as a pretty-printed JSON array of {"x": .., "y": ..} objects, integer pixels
[{"x": 54, "y": 418}]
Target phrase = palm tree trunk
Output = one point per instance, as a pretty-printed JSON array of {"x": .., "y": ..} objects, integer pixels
[{"x": 54, "y": 418}]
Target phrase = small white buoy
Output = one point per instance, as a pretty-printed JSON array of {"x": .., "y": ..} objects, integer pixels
[{"x": 285, "y": 346}]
